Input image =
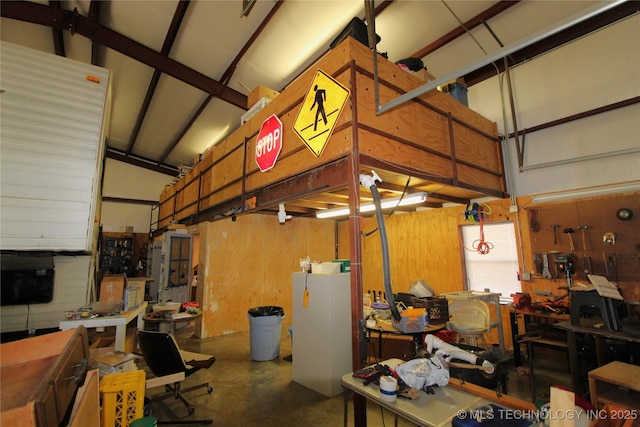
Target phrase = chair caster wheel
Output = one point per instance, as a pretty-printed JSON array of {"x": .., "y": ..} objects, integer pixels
[{"x": 209, "y": 389}]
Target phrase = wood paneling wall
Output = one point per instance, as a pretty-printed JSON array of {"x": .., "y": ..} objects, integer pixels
[
  {"x": 428, "y": 245},
  {"x": 422, "y": 245},
  {"x": 249, "y": 262}
]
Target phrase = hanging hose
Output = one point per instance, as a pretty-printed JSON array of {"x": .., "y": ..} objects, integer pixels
[
  {"x": 370, "y": 183},
  {"x": 404, "y": 192},
  {"x": 475, "y": 214},
  {"x": 480, "y": 245}
]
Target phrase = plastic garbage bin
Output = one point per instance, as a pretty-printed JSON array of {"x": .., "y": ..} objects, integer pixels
[{"x": 265, "y": 326}]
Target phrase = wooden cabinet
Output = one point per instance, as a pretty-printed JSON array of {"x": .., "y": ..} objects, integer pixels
[
  {"x": 615, "y": 383},
  {"x": 39, "y": 377}
]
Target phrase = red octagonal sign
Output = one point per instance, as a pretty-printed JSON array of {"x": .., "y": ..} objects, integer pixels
[{"x": 269, "y": 143}]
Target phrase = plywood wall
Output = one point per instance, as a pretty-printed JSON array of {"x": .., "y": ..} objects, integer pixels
[
  {"x": 427, "y": 244},
  {"x": 249, "y": 262},
  {"x": 422, "y": 245}
]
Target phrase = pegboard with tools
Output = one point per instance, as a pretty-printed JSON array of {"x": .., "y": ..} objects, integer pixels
[{"x": 591, "y": 236}]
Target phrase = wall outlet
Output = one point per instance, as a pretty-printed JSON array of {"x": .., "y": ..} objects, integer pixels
[
  {"x": 513, "y": 208},
  {"x": 526, "y": 276}
]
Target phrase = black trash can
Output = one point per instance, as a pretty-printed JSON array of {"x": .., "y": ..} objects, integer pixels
[{"x": 265, "y": 327}]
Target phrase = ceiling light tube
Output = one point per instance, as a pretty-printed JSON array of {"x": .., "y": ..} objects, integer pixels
[
  {"x": 409, "y": 199},
  {"x": 627, "y": 187}
]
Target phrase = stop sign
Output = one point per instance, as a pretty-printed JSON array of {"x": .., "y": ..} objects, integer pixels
[{"x": 269, "y": 143}]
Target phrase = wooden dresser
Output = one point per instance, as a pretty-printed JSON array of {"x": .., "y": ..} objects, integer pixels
[{"x": 39, "y": 377}]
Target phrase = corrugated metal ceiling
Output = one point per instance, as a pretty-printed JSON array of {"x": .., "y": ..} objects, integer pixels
[{"x": 197, "y": 48}]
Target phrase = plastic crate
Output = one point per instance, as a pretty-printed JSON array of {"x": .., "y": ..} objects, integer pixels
[
  {"x": 411, "y": 320},
  {"x": 437, "y": 307},
  {"x": 122, "y": 398}
]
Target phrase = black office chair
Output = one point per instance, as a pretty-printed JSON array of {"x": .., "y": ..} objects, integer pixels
[{"x": 163, "y": 357}]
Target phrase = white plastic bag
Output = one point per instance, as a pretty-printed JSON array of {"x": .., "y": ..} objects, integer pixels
[{"x": 424, "y": 372}]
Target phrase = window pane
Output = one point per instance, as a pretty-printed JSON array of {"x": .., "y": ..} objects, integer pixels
[{"x": 498, "y": 269}]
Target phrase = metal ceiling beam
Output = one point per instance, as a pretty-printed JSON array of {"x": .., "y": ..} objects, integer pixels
[
  {"x": 184, "y": 130},
  {"x": 477, "y": 20},
  {"x": 58, "y": 39},
  {"x": 141, "y": 162},
  {"x": 67, "y": 20},
  {"x": 226, "y": 76},
  {"x": 606, "y": 18},
  {"x": 169, "y": 39},
  {"x": 538, "y": 36},
  {"x": 94, "y": 15}
]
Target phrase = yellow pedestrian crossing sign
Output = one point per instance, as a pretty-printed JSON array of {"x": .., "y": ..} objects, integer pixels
[{"x": 320, "y": 111}]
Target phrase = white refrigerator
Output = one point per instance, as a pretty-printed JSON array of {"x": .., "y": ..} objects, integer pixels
[{"x": 322, "y": 331}]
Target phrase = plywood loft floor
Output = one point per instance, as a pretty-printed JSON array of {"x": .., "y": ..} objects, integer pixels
[{"x": 247, "y": 393}]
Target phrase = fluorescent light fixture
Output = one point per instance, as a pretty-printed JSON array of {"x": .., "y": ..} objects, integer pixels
[
  {"x": 409, "y": 199},
  {"x": 626, "y": 187}
]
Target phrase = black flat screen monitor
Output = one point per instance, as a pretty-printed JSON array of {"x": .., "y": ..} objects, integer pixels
[{"x": 26, "y": 279}]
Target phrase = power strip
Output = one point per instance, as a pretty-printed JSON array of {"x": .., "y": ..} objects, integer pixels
[{"x": 544, "y": 293}]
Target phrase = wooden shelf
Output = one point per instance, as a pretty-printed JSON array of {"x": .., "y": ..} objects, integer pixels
[{"x": 616, "y": 383}]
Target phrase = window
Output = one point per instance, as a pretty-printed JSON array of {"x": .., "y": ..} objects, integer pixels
[{"x": 498, "y": 269}]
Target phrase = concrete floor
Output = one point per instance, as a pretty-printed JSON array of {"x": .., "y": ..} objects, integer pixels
[{"x": 247, "y": 393}]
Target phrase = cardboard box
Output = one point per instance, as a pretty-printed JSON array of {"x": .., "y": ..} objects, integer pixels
[
  {"x": 112, "y": 288},
  {"x": 108, "y": 361},
  {"x": 424, "y": 75},
  {"x": 105, "y": 341},
  {"x": 141, "y": 284},
  {"x": 325, "y": 268},
  {"x": 131, "y": 298},
  {"x": 345, "y": 265},
  {"x": 260, "y": 92}
]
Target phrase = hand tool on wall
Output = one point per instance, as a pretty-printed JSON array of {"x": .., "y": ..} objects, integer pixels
[
  {"x": 606, "y": 264},
  {"x": 613, "y": 262},
  {"x": 556, "y": 271},
  {"x": 533, "y": 223},
  {"x": 555, "y": 233},
  {"x": 545, "y": 266},
  {"x": 569, "y": 231},
  {"x": 609, "y": 238},
  {"x": 537, "y": 261},
  {"x": 583, "y": 228},
  {"x": 586, "y": 264}
]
